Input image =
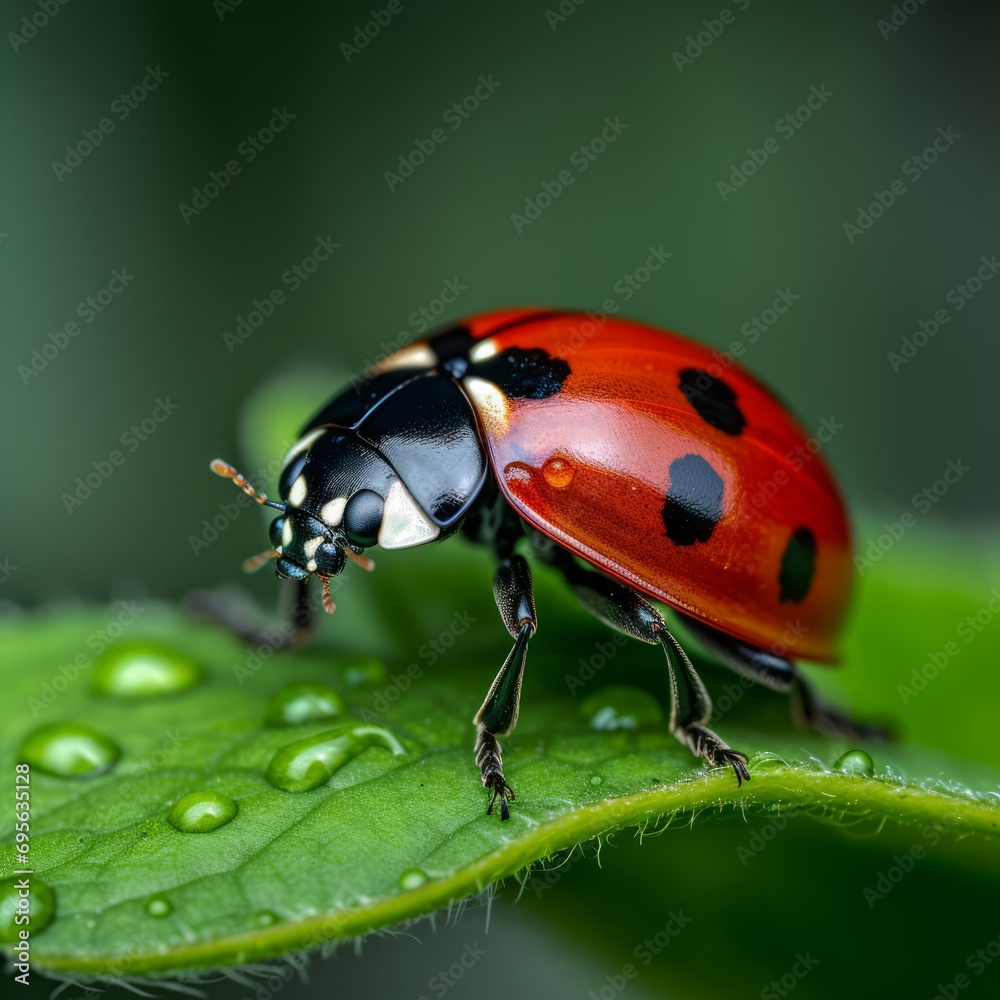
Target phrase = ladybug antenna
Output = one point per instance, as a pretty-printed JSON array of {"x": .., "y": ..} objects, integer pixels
[
  {"x": 225, "y": 470},
  {"x": 254, "y": 563},
  {"x": 363, "y": 561},
  {"x": 328, "y": 606}
]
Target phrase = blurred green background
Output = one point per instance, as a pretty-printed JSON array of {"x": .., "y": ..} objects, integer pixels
[{"x": 223, "y": 68}]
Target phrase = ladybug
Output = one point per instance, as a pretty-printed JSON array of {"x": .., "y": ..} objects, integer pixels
[{"x": 633, "y": 463}]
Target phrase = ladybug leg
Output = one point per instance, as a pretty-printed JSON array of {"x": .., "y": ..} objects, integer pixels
[
  {"x": 498, "y": 714},
  {"x": 810, "y": 710},
  {"x": 773, "y": 671},
  {"x": 625, "y": 610},
  {"x": 250, "y": 625}
]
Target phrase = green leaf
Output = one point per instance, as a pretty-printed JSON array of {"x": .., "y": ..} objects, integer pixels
[{"x": 394, "y": 825}]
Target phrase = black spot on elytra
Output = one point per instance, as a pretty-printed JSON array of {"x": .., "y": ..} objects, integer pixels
[
  {"x": 797, "y": 565},
  {"x": 524, "y": 373},
  {"x": 714, "y": 401},
  {"x": 693, "y": 504}
]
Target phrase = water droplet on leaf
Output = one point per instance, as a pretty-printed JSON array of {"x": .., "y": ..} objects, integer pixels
[
  {"x": 621, "y": 707},
  {"x": 855, "y": 762},
  {"x": 265, "y": 918},
  {"x": 69, "y": 750},
  {"x": 766, "y": 761},
  {"x": 202, "y": 812},
  {"x": 158, "y": 906},
  {"x": 40, "y": 907},
  {"x": 309, "y": 763},
  {"x": 358, "y": 670},
  {"x": 412, "y": 878},
  {"x": 596, "y": 779},
  {"x": 143, "y": 669},
  {"x": 309, "y": 701}
]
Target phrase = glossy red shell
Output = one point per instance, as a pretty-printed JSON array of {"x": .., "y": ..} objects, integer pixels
[{"x": 590, "y": 467}]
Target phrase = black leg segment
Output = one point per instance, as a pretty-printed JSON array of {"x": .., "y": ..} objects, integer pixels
[
  {"x": 627, "y": 611},
  {"x": 498, "y": 714}
]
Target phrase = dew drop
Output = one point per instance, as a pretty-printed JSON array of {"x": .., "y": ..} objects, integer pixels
[
  {"x": 596, "y": 779},
  {"x": 558, "y": 471},
  {"x": 143, "y": 669},
  {"x": 264, "y": 918},
  {"x": 855, "y": 762},
  {"x": 359, "y": 670},
  {"x": 202, "y": 812},
  {"x": 412, "y": 878},
  {"x": 621, "y": 707},
  {"x": 158, "y": 906},
  {"x": 309, "y": 701},
  {"x": 41, "y": 903},
  {"x": 765, "y": 760},
  {"x": 69, "y": 750},
  {"x": 309, "y": 763}
]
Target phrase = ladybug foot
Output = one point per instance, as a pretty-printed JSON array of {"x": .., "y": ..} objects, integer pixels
[
  {"x": 491, "y": 765},
  {"x": 704, "y": 743}
]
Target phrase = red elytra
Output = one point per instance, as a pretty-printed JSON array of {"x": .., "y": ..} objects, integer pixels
[{"x": 590, "y": 468}]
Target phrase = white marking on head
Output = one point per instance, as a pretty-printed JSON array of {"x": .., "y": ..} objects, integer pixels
[
  {"x": 304, "y": 443},
  {"x": 311, "y": 565},
  {"x": 418, "y": 355},
  {"x": 333, "y": 511},
  {"x": 312, "y": 545},
  {"x": 490, "y": 400},
  {"x": 404, "y": 524},
  {"x": 483, "y": 350},
  {"x": 287, "y": 532},
  {"x": 297, "y": 493}
]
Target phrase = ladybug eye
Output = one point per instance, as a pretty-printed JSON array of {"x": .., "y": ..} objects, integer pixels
[
  {"x": 363, "y": 517},
  {"x": 275, "y": 531}
]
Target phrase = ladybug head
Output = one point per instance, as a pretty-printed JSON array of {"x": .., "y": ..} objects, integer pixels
[{"x": 303, "y": 546}]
